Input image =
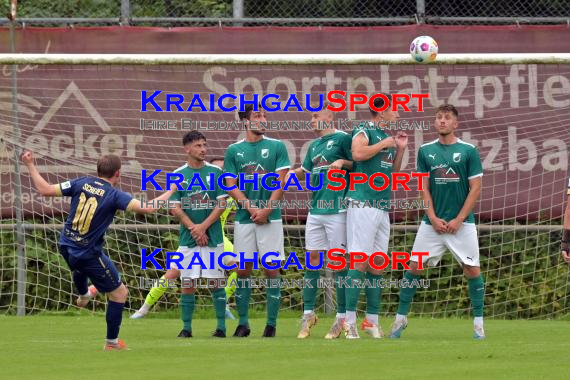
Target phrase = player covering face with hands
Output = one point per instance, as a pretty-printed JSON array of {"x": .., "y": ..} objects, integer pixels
[
  {"x": 368, "y": 228},
  {"x": 326, "y": 226},
  {"x": 94, "y": 202}
]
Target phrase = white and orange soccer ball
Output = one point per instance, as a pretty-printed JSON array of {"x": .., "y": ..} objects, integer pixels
[{"x": 423, "y": 49}]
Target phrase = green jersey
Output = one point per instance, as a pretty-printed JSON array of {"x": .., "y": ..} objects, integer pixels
[
  {"x": 264, "y": 156},
  {"x": 322, "y": 152},
  {"x": 450, "y": 168},
  {"x": 380, "y": 163},
  {"x": 197, "y": 195}
]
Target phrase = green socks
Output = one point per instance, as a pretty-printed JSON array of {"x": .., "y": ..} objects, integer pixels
[
  {"x": 373, "y": 294},
  {"x": 477, "y": 295},
  {"x": 187, "y": 304},
  {"x": 243, "y": 294},
  {"x": 340, "y": 292},
  {"x": 310, "y": 289},
  {"x": 219, "y": 301},
  {"x": 354, "y": 280},
  {"x": 273, "y": 302},
  {"x": 407, "y": 293}
]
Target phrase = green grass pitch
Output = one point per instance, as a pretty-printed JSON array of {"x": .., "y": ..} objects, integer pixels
[{"x": 65, "y": 347}]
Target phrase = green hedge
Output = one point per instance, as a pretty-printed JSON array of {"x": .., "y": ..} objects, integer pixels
[{"x": 525, "y": 277}]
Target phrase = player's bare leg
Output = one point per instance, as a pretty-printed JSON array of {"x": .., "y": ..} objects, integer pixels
[
  {"x": 310, "y": 295},
  {"x": 115, "y": 304}
]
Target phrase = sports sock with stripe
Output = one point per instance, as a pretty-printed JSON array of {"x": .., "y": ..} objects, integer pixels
[
  {"x": 407, "y": 293},
  {"x": 273, "y": 294},
  {"x": 477, "y": 295},
  {"x": 243, "y": 294},
  {"x": 310, "y": 289},
  {"x": 219, "y": 300},
  {"x": 187, "y": 304}
]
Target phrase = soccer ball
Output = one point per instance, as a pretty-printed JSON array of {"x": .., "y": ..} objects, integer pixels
[{"x": 423, "y": 49}]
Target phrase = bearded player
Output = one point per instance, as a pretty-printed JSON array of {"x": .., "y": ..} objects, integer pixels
[
  {"x": 452, "y": 189},
  {"x": 200, "y": 232},
  {"x": 157, "y": 291},
  {"x": 257, "y": 230}
]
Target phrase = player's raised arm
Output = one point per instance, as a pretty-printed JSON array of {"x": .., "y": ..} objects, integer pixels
[
  {"x": 297, "y": 173},
  {"x": 566, "y": 233},
  {"x": 306, "y": 167},
  {"x": 401, "y": 140},
  {"x": 151, "y": 206},
  {"x": 361, "y": 151},
  {"x": 341, "y": 164},
  {"x": 41, "y": 185}
]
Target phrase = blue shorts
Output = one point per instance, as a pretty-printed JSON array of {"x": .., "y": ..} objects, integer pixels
[{"x": 97, "y": 267}]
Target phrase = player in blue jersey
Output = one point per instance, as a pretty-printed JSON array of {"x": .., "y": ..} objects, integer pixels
[{"x": 94, "y": 202}]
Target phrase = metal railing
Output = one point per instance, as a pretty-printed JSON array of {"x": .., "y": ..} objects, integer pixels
[{"x": 287, "y": 13}]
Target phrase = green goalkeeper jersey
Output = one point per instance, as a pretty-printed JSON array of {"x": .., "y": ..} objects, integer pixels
[
  {"x": 264, "y": 156},
  {"x": 450, "y": 168},
  {"x": 322, "y": 152},
  {"x": 197, "y": 195}
]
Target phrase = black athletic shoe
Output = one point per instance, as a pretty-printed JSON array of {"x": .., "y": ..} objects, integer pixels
[
  {"x": 185, "y": 334},
  {"x": 219, "y": 333},
  {"x": 269, "y": 332},
  {"x": 242, "y": 331}
]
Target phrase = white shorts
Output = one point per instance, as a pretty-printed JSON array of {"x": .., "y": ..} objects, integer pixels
[
  {"x": 464, "y": 244},
  {"x": 196, "y": 271},
  {"x": 261, "y": 238},
  {"x": 368, "y": 230},
  {"x": 325, "y": 232}
]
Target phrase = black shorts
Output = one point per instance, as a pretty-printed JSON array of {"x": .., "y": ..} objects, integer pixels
[{"x": 97, "y": 266}]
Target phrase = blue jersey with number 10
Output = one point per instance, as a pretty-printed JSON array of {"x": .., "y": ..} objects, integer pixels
[{"x": 94, "y": 203}]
